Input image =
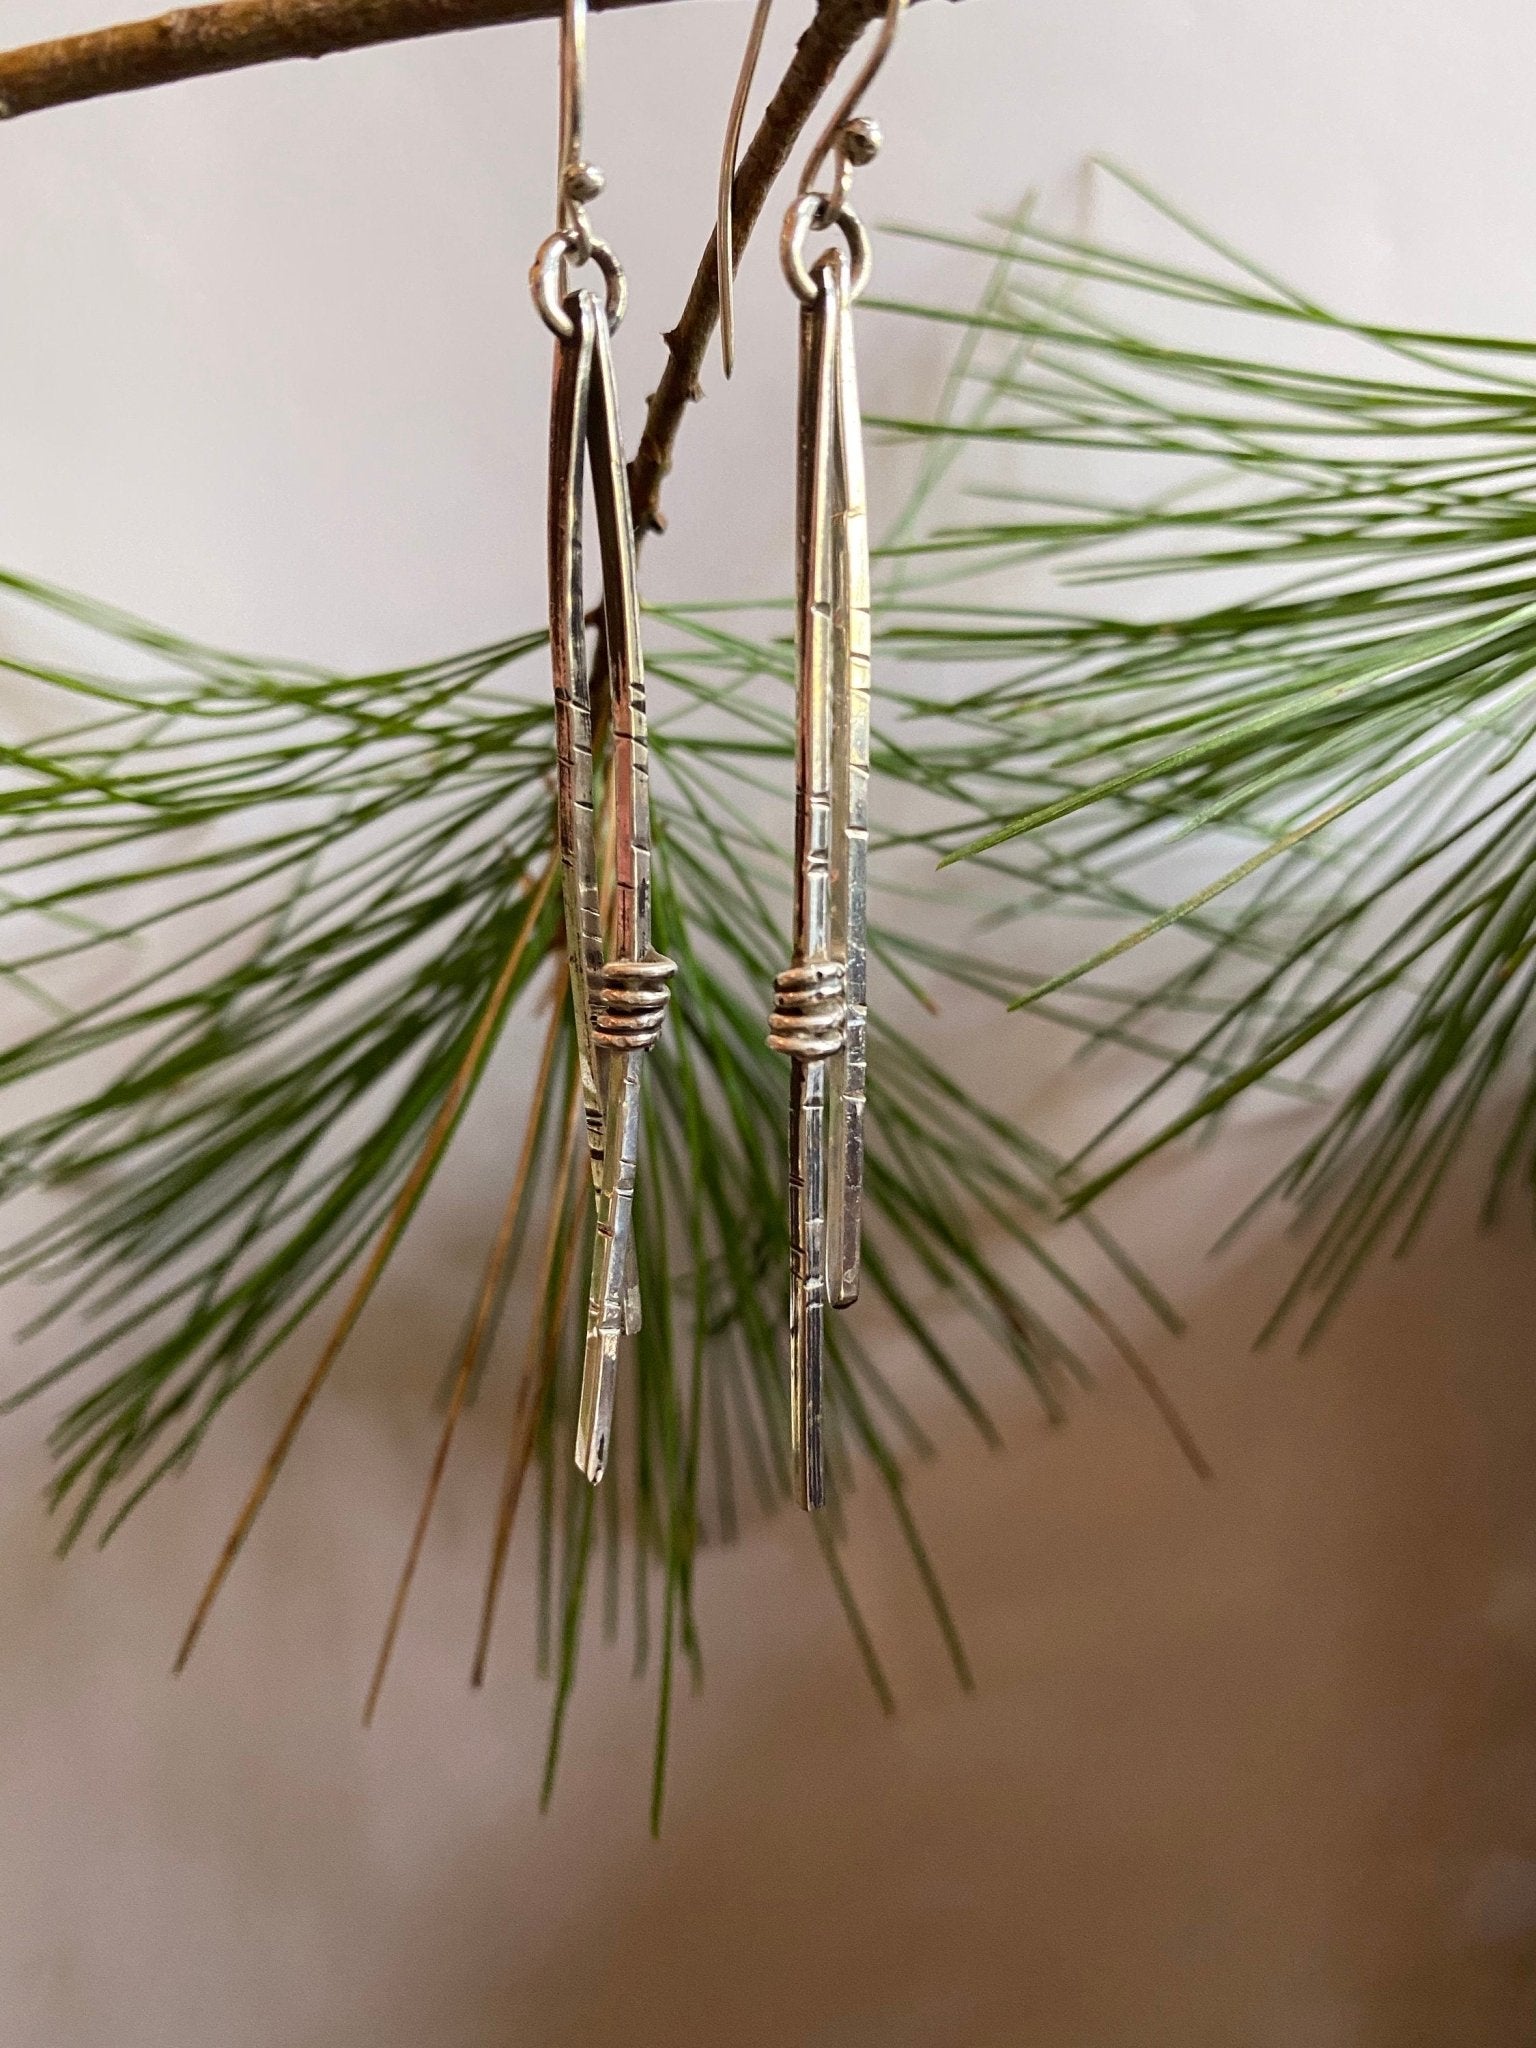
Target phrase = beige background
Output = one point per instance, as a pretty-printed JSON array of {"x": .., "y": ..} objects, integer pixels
[{"x": 1249, "y": 1765}]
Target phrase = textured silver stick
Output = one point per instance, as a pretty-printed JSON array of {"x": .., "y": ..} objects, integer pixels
[
  {"x": 620, "y": 1004},
  {"x": 570, "y": 406},
  {"x": 819, "y": 1016},
  {"x": 850, "y": 818}
]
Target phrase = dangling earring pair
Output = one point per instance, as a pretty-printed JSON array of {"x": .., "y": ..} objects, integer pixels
[{"x": 819, "y": 1015}]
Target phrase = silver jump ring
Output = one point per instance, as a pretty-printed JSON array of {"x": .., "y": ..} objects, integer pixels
[
  {"x": 814, "y": 210},
  {"x": 547, "y": 280}
]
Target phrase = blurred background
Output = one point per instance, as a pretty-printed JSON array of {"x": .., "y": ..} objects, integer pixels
[{"x": 1248, "y": 1765}]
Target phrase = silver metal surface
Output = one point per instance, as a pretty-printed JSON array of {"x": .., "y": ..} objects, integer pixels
[
  {"x": 573, "y": 95},
  {"x": 620, "y": 1003},
  {"x": 806, "y": 214},
  {"x": 573, "y": 240},
  {"x": 820, "y": 1017},
  {"x": 548, "y": 282},
  {"x": 570, "y": 406},
  {"x": 725, "y": 226}
]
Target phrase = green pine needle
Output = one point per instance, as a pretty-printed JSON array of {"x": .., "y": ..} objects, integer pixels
[
  {"x": 257, "y": 913},
  {"x": 1293, "y": 758}
]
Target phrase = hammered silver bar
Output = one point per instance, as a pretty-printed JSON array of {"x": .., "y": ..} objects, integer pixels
[
  {"x": 819, "y": 1016},
  {"x": 570, "y": 406},
  {"x": 620, "y": 1004}
]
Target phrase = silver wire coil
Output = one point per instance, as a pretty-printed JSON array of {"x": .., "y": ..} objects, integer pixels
[
  {"x": 810, "y": 1010},
  {"x": 629, "y": 1003}
]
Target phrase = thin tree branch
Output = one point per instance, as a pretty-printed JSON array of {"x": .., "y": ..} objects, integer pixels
[
  {"x": 197, "y": 42},
  {"x": 837, "y": 26},
  {"x": 194, "y": 42}
]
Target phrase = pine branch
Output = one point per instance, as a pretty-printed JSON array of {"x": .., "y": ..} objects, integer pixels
[
  {"x": 1302, "y": 770},
  {"x": 321, "y": 989}
]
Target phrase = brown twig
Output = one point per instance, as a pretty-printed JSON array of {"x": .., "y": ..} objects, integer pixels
[
  {"x": 837, "y": 26},
  {"x": 197, "y": 42},
  {"x": 233, "y": 35}
]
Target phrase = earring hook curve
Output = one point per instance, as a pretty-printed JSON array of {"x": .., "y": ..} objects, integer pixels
[
  {"x": 578, "y": 181},
  {"x": 574, "y": 241},
  {"x": 833, "y": 142},
  {"x": 725, "y": 225},
  {"x": 833, "y": 139}
]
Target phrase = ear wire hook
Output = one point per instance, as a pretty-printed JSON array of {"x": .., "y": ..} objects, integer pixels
[
  {"x": 725, "y": 225},
  {"x": 574, "y": 240},
  {"x": 849, "y": 140},
  {"x": 579, "y": 181}
]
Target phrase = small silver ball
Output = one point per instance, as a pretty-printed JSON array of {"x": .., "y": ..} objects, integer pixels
[
  {"x": 861, "y": 140},
  {"x": 583, "y": 182}
]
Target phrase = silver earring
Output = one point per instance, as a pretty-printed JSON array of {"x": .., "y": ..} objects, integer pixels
[
  {"x": 620, "y": 1001},
  {"x": 819, "y": 1015}
]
